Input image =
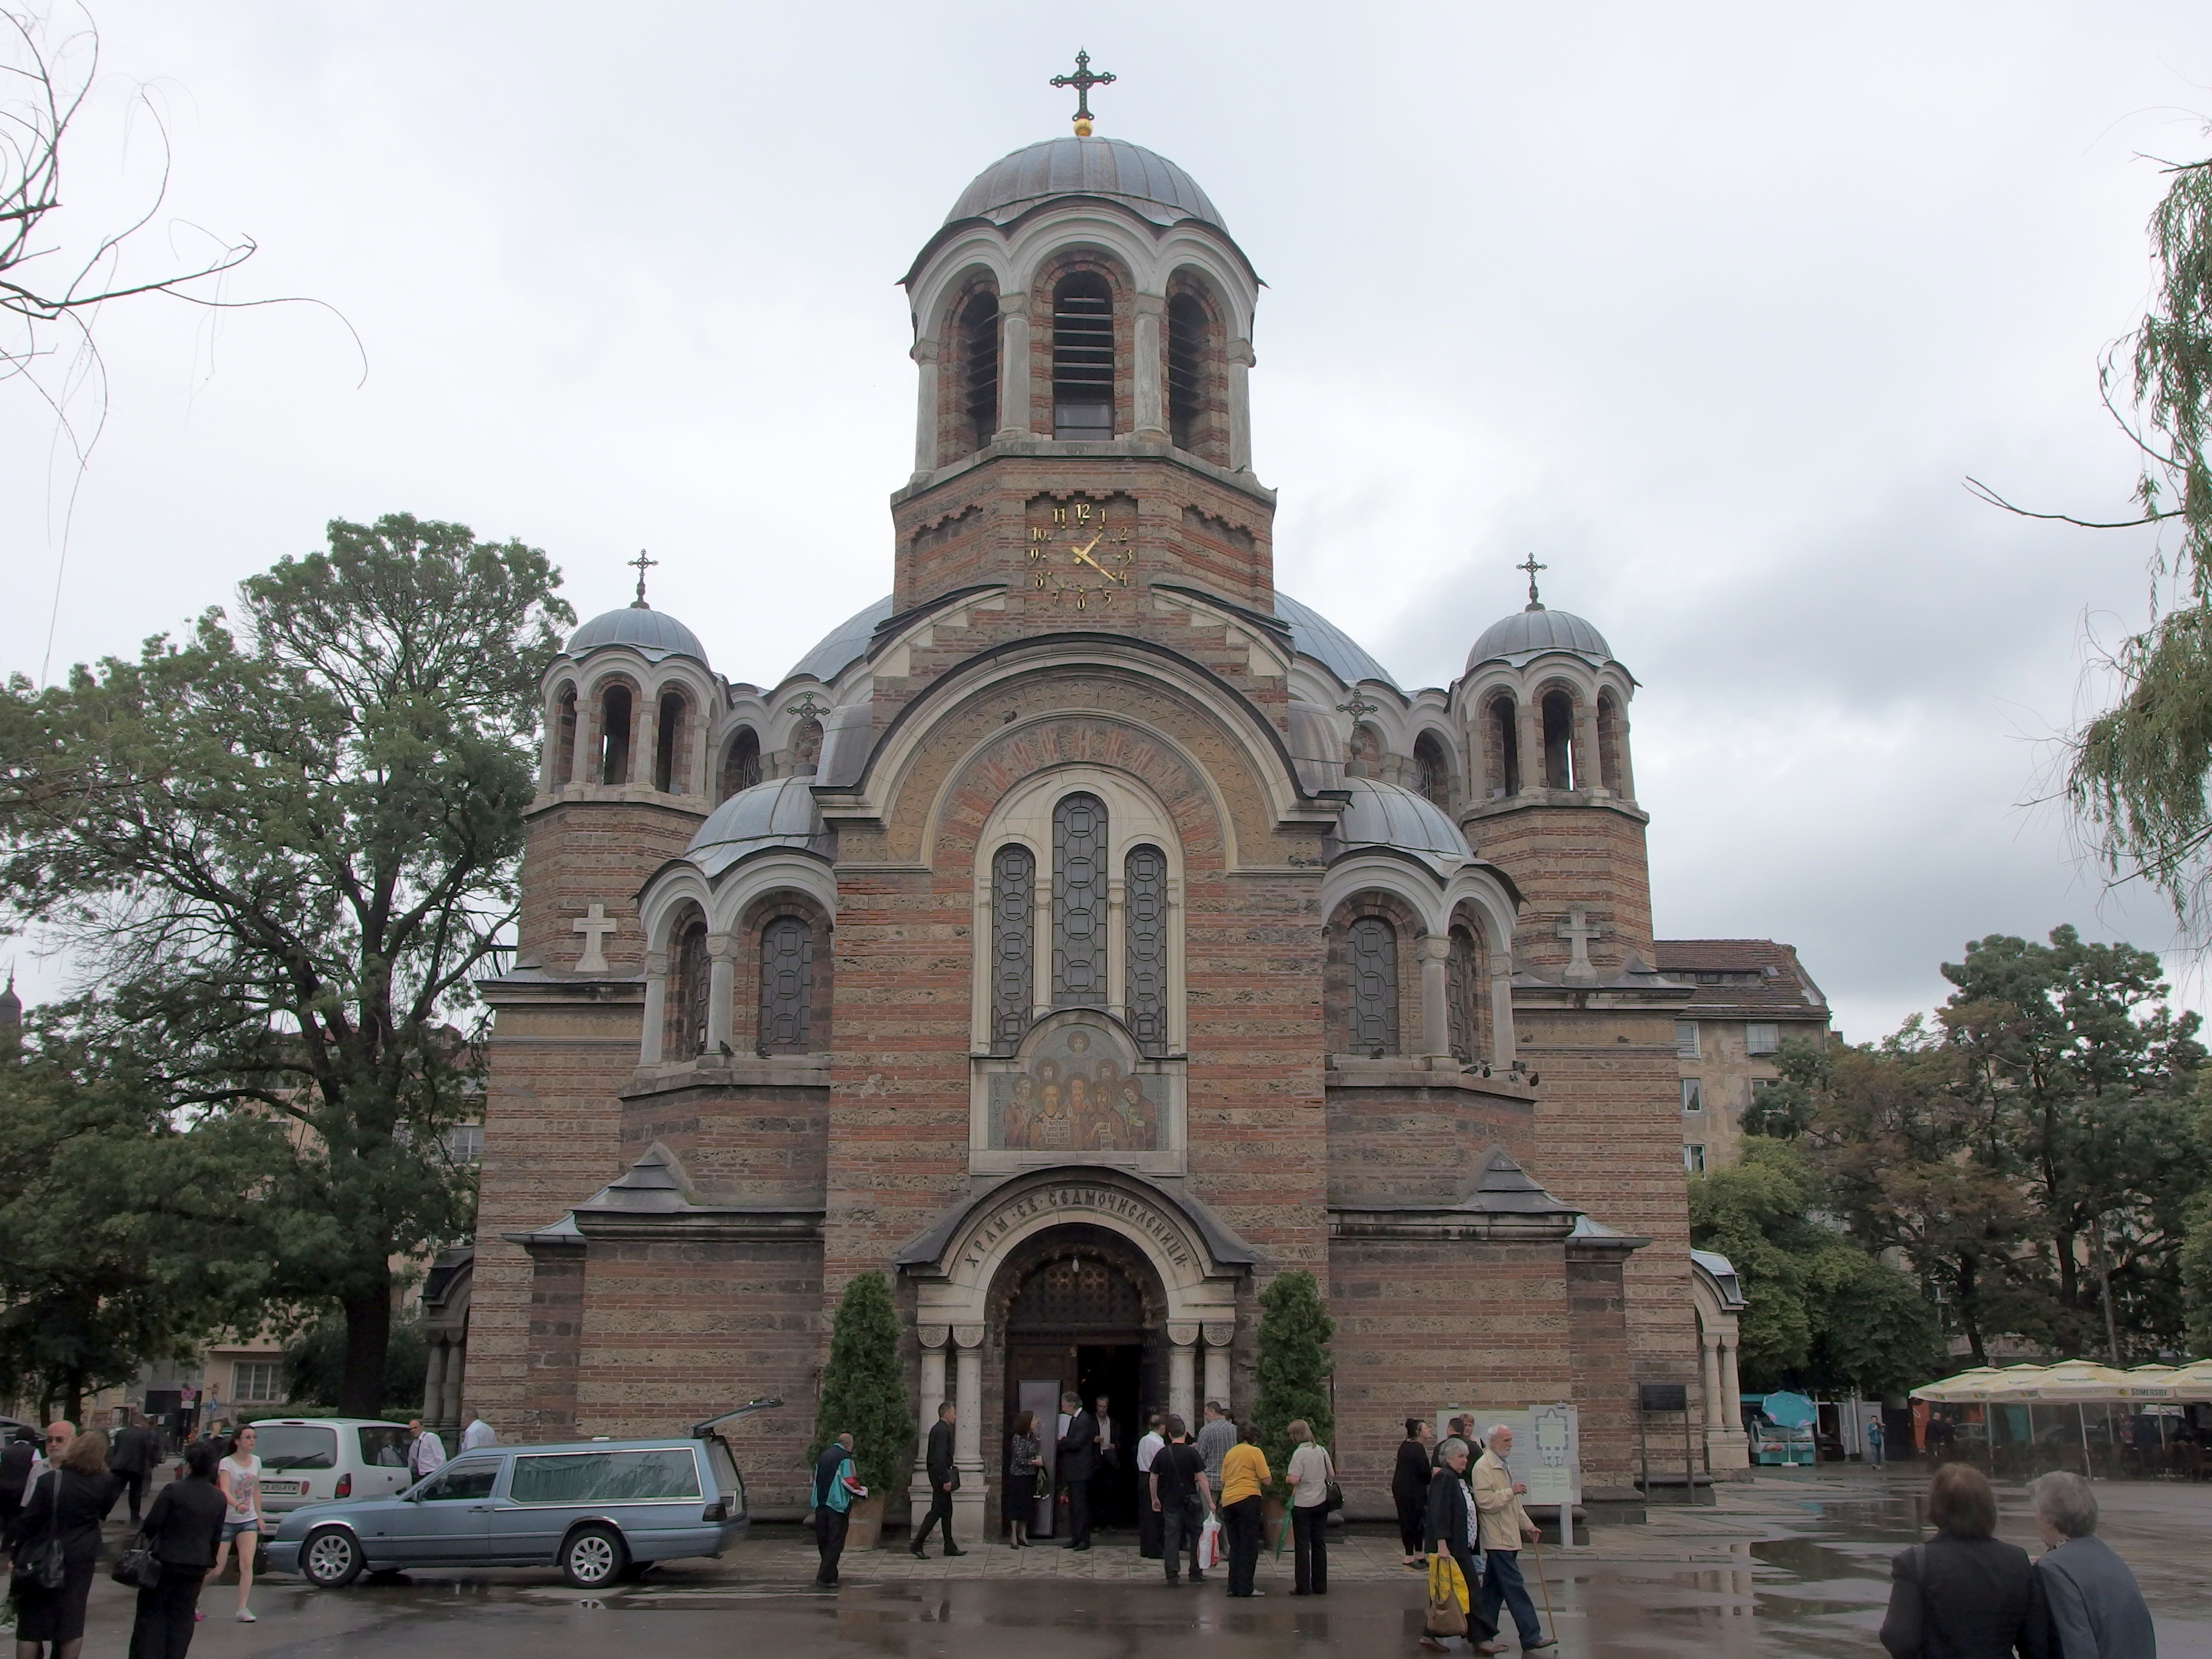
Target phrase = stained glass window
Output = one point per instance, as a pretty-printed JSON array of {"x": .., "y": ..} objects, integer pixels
[
  {"x": 1079, "y": 902},
  {"x": 688, "y": 992},
  {"x": 1146, "y": 926},
  {"x": 1372, "y": 945},
  {"x": 1013, "y": 946},
  {"x": 1463, "y": 991},
  {"x": 787, "y": 983}
]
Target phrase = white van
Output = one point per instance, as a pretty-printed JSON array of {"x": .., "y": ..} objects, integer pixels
[{"x": 313, "y": 1460}]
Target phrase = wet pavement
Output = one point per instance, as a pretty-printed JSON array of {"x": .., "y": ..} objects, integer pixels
[{"x": 1794, "y": 1565}]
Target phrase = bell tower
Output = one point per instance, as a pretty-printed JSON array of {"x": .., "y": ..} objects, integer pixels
[{"x": 1083, "y": 329}]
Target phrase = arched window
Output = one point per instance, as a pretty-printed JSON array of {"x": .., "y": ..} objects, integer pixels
[
  {"x": 786, "y": 985},
  {"x": 1463, "y": 996},
  {"x": 741, "y": 765},
  {"x": 668, "y": 770},
  {"x": 690, "y": 979},
  {"x": 1505, "y": 737},
  {"x": 614, "y": 735},
  {"x": 1144, "y": 912},
  {"x": 979, "y": 368},
  {"x": 1083, "y": 357},
  {"x": 1079, "y": 902},
  {"x": 1611, "y": 744},
  {"x": 564, "y": 738},
  {"x": 1186, "y": 332},
  {"x": 1013, "y": 945},
  {"x": 1372, "y": 945},
  {"x": 1559, "y": 740},
  {"x": 1432, "y": 771}
]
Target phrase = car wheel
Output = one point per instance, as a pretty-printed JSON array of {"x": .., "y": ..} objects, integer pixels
[
  {"x": 593, "y": 1557},
  {"x": 330, "y": 1559}
]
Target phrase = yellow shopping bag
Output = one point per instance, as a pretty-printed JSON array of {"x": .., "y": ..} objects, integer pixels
[{"x": 1447, "y": 1598}]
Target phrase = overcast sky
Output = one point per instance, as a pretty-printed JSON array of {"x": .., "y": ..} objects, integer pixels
[{"x": 1713, "y": 308}]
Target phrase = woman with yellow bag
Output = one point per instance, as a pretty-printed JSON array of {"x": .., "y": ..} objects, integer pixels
[{"x": 1455, "y": 1559}]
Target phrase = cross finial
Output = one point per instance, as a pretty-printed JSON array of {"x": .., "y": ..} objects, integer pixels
[
  {"x": 640, "y": 564},
  {"x": 1082, "y": 80},
  {"x": 1530, "y": 565}
]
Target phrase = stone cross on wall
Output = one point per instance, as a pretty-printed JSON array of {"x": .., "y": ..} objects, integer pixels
[
  {"x": 595, "y": 925},
  {"x": 1578, "y": 931}
]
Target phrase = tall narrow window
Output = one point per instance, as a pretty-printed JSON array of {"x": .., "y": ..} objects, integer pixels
[
  {"x": 1146, "y": 913},
  {"x": 1507, "y": 739},
  {"x": 1371, "y": 944},
  {"x": 564, "y": 739},
  {"x": 1186, "y": 370},
  {"x": 1083, "y": 358},
  {"x": 1079, "y": 902},
  {"x": 1463, "y": 996},
  {"x": 979, "y": 367},
  {"x": 1432, "y": 771},
  {"x": 1013, "y": 946},
  {"x": 1559, "y": 740},
  {"x": 685, "y": 1034},
  {"x": 786, "y": 984},
  {"x": 667, "y": 765},
  {"x": 741, "y": 768},
  {"x": 614, "y": 735}
]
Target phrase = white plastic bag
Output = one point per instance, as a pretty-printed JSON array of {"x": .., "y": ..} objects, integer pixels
[{"x": 1209, "y": 1545}]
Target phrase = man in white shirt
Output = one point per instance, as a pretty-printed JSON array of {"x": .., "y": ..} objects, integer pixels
[
  {"x": 426, "y": 1452},
  {"x": 1148, "y": 1518},
  {"x": 478, "y": 1434}
]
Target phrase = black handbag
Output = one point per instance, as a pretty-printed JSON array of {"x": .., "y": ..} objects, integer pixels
[
  {"x": 41, "y": 1568},
  {"x": 136, "y": 1568}
]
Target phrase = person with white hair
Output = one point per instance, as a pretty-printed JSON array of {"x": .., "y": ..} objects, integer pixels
[
  {"x": 1505, "y": 1525},
  {"x": 2097, "y": 1610}
]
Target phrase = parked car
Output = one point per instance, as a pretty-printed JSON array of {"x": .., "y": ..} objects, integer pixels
[
  {"x": 592, "y": 1508},
  {"x": 310, "y": 1460}
]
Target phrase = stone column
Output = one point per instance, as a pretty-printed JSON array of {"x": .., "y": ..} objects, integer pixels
[
  {"x": 722, "y": 987},
  {"x": 1117, "y": 944},
  {"x": 1709, "y": 1350},
  {"x": 1240, "y": 405},
  {"x": 1626, "y": 777},
  {"x": 1151, "y": 409},
  {"x": 1218, "y": 1338},
  {"x": 1503, "y": 1048},
  {"x": 925, "y": 423},
  {"x": 584, "y": 767},
  {"x": 968, "y": 1499},
  {"x": 933, "y": 1338},
  {"x": 1013, "y": 366},
  {"x": 645, "y": 745},
  {"x": 1588, "y": 774},
  {"x": 1436, "y": 994},
  {"x": 1183, "y": 1378},
  {"x": 434, "y": 1385},
  {"x": 656, "y": 1006},
  {"x": 1528, "y": 737}
]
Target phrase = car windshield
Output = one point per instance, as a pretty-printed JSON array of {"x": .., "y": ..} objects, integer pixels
[{"x": 295, "y": 1446}]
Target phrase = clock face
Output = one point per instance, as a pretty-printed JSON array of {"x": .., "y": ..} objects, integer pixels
[{"x": 1083, "y": 553}]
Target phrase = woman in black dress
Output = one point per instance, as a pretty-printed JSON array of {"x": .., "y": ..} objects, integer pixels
[
  {"x": 1409, "y": 1489},
  {"x": 69, "y": 1502},
  {"x": 181, "y": 1530},
  {"x": 1965, "y": 1593}
]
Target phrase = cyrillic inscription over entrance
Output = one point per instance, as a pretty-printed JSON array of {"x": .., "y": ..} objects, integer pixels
[{"x": 1079, "y": 1201}]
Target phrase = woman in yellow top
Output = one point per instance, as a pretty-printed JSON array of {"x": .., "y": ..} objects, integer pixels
[{"x": 1243, "y": 1474}]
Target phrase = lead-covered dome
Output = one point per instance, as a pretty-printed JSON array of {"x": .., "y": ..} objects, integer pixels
[
  {"x": 1389, "y": 815},
  {"x": 1114, "y": 168},
  {"x": 781, "y": 813},
  {"x": 1527, "y": 633},
  {"x": 651, "y": 634}
]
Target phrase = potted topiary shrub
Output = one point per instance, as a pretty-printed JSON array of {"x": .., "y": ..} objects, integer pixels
[
  {"x": 864, "y": 1395},
  {"x": 1295, "y": 1366}
]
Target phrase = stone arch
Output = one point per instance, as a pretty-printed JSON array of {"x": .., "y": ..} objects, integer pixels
[
  {"x": 1348, "y": 1017},
  {"x": 1433, "y": 768},
  {"x": 741, "y": 763},
  {"x": 969, "y": 365},
  {"x": 1093, "y": 270},
  {"x": 755, "y": 955},
  {"x": 561, "y": 717},
  {"x": 1194, "y": 368}
]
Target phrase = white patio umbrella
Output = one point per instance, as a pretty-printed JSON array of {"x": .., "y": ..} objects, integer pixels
[{"x": 2074, "y": 1382}]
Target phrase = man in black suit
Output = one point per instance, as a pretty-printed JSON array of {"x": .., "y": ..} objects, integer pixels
[
  {"x": 1079, "y": 1461},
  {"x": 944, "y": 1481},
  {"x": 131, "y": 1456}
]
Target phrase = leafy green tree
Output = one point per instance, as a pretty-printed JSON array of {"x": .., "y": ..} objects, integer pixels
[
  {"x": 864, "y": 1386},
  {"x": 314, "y": 1366},
  {"x": 121, "y": 1235},
  {"x": 1295, "y": 1365},
  {"x": 283, "y": 853},
  {"x": 2195, "y": 1255}
]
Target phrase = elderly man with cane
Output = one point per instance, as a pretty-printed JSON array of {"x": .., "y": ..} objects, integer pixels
[{"x": 1505, "y": 1524}]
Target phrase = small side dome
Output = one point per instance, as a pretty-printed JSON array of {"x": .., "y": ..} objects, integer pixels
[
  {"x": 1529, "y": 633},
  {"x": 654, "y": 634},
  {"x": 778, "y": 814},
  {"x": 1389, "y": 815},
  {"x": 839, "y": 648}
]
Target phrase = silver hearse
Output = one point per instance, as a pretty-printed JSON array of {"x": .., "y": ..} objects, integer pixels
[{"x": 594, "y": 1509}]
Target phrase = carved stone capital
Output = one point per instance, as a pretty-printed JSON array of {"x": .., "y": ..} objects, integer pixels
[
  {"x": 1220, "y": 1333},
  {"x": 1240, "y": 351},
  {"x": 1014, "y": 305},
  {"x": 1182, "y": 1333},
  {"x": 1152, "y": 304},
  {"x": 1435, "y": 947},
  {"x": 933, "y": 1336},
  {"x": 656, "y": 962},
  {"x": 722, "y": 947},
  {"x": 923, "y": 351},
  {"x": 967, "y": 1336}
]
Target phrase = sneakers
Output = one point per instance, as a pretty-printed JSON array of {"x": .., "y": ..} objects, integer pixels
[{"x": 245, "y": 1616}]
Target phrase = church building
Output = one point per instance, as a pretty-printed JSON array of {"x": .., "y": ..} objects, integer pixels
[{"x": 1083, "y": 934}]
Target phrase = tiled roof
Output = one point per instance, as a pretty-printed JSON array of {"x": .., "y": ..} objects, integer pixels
[{"x": 1764, "y": 980}]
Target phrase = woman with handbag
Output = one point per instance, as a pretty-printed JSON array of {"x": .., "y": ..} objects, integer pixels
[
  {"x": 1026, "y": 1477},
  {"x": 58, "y": 1547},
  {"x": 179, "y": 1540},
  {"x": 1455, "y": 1547},
  {"x": 1311, "y": 1476}
]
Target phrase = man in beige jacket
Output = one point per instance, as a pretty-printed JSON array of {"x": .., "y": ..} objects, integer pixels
[{"x": 1504, "y": 1524}]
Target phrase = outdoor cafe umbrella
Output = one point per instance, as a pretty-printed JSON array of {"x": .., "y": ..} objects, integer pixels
[
  {"x": 1966, "y": 1387},
  {"x": 2075, "y": 1381}
]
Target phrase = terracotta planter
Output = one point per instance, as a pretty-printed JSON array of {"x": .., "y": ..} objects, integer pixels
[
  {"x": 1271, "y": 1522},
  {"x": 865, "y": 1529}
]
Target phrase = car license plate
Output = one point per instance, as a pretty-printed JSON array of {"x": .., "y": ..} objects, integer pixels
[{"x": 283, "y": 1488}]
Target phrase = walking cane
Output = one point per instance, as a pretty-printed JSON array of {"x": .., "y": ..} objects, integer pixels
[{"x": 1566, "y": 1520}]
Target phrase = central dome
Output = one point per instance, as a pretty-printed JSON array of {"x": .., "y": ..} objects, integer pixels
[{"x": 1112, "y": 167}]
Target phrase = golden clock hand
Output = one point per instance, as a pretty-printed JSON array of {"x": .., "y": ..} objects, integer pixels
[{"x": 1083, "y": 551}]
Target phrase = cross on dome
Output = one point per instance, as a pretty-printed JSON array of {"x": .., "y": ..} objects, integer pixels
[
  {"x": 1082, "y": 80},
  {"x": 1530, "y": 565},
  {"x": 640, "y": 564}
]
